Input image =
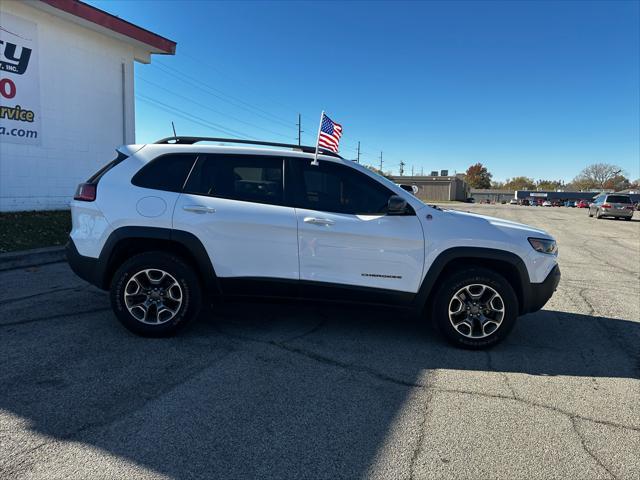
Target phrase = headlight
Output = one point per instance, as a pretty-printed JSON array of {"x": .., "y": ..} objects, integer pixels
[{"x": 544, "y": 245}]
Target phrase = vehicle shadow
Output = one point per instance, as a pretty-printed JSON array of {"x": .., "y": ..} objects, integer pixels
[{"x": 265, "y": 390}]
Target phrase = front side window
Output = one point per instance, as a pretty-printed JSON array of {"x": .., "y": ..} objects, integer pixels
[
  {"x": 247, "y": 178},
  {"x": 331, "y": 187},
  {"x": 167, "y": 172}
]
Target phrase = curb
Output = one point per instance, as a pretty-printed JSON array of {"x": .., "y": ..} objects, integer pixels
[{"x": 30, "y": 258}]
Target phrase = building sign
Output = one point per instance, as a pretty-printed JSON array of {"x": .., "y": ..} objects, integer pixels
[
  {"x": 19, "y": 81},
  {"x": 538, "y": 194}
]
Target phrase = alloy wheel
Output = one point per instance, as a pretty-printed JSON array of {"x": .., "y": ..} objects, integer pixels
[
  {"x": 153, "y": 296},
  {"x": 476, "y": 311}
]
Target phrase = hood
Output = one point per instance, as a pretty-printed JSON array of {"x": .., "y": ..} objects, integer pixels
[{"x": 506, "y": 226}]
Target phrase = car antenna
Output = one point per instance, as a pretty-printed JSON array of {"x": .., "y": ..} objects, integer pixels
[{"x": 174, "y": 131}]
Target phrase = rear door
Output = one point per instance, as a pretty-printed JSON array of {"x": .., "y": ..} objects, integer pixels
[
  {"x": 344, "y": 234},
  {"x": 235, "y": 205}
]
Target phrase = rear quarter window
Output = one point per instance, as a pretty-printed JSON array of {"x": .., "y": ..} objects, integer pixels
[
  {"x": 95, "y": 178},
  {"x": 167, "y": 172}
]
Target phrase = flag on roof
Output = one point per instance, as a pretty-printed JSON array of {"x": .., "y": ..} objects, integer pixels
[{"x": 329, "y": 134}]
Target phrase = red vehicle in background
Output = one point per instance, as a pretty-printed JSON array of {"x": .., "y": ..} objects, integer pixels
[{"x": 582, "y": 204}]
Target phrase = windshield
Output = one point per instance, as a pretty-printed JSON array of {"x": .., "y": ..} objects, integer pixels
[{"x": 618, "y": 199}]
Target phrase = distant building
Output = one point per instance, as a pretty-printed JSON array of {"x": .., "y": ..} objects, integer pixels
[
  {"x": 434, "y": 188},
  {"x": 481, "y": 195},
  {"x": 547, "y": 195}
]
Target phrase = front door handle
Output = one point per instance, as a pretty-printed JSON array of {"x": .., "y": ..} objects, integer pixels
[
  {"x": 318, "y": 221},
  {"x": 198, "y": 209}
]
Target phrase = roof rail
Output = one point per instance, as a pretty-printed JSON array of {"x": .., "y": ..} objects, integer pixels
[{"x": 179, "y": 140}]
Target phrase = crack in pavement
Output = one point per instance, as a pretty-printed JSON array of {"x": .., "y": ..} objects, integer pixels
[
  {"x": 583, "y": 443},
  {"x": 417, "y": 451},
  {"x": 404, "y": 383},
  {"x": 40, "y": 294},
  {"x": 53, "y": 317}
]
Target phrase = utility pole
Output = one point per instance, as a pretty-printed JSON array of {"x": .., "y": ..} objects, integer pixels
[
  {"x": 300, "y": 129},
  {"x": 412, "y": 170},
  {"x": 401, "y": 168},
  {"x": 358, "y": 160},
  {"x": 422, "y": 171},
  {"x": 381, "y": 162}
]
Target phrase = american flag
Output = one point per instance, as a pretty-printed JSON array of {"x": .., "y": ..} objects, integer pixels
[{"x": 330, "y": 133}]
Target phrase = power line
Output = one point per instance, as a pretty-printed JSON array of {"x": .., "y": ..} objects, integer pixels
[
  {"x": 211, "y": 109},
  {"x": 191, "y": 117},
  {"x": 213, "y": 92},
  {"x": 234, "y": 98}
]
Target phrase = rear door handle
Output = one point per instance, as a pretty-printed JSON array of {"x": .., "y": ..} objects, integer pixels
[
  {"x": 198, "y": 209},
  {"x": 318, "y": 221}
]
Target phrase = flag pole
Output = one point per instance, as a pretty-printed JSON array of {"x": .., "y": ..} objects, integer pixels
[{"x": 315, "y": 158}]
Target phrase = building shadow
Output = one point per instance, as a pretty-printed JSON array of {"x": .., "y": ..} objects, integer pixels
[{"x": 267, "y": 390}]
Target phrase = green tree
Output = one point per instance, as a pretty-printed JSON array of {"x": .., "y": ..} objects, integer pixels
[
  {"x": 477, "y": 176},
  {"x": 520, "y": 183},
  {"x": 379, "y": 172},
  {"x": 551, "y": 185},
  {"x": 619, "y": 182}
]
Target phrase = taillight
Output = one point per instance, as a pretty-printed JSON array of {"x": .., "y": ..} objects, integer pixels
[
  {"x": 86, "y": 192},
  {"x": 606, "y": 205}
]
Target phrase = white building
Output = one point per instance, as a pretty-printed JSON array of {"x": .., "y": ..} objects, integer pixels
[{"x": 66, "y": 96}]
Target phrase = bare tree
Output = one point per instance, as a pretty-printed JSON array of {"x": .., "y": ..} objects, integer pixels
[{"x": 597, "y": 175}]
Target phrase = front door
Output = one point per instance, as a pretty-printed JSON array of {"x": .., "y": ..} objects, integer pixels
[{"x": 344, "y": 234}]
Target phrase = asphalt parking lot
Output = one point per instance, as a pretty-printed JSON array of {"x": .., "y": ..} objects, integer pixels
[{"x": 274, "y": 390}]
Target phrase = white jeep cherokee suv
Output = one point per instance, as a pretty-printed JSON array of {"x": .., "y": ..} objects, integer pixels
[{"x": 167, "y": 227}]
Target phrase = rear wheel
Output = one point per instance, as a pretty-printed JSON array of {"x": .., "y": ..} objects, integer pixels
[
  {"x": 598, "y": 216},
  {"x": 475, "y": 308},
  {"x": 154, "y": 294}
]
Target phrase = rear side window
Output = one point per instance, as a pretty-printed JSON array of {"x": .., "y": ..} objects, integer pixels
[
  {"x": 247, "y": 178},
  {"x": 167, "y": 172},
  {"x": 618, "y": 199}
]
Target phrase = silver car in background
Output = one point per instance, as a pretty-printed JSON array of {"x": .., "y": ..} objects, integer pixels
[{"x": 612, "y": 205}]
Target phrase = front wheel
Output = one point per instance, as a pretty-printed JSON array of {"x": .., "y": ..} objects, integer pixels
[
  {"x": 154, "y": 294},
  {"x": 475, "y": 308}
]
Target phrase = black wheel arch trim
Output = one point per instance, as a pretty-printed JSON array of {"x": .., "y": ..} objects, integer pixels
[
  {"x": 98, "y": 271},
  {"x": 445, "y": 258}
]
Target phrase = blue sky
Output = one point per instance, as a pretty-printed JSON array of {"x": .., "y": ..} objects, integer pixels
[{"x": 540, "y": 89}]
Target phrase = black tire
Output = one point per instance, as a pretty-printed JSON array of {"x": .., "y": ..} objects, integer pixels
[
  {"x": 598, "y": 216},
  {"x": 590, "y": 214},
  {"x": 627, "y": 218},
  {"x": 456, "y": 281},
  {"x": 178, "y": 270}
]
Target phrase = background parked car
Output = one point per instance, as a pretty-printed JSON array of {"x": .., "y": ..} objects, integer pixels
[
  {"x": 546, "y": 203},
  {"x": 583, "y": 204},
  {"x": 616, "y": 206},
  {"x": 513, "y": 201}
]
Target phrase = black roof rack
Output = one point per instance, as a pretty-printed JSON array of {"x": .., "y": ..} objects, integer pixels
[{"x": 191, "y": 140}]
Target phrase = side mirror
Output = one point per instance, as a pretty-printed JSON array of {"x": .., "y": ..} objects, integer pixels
[{"x": 396, "y": 205}]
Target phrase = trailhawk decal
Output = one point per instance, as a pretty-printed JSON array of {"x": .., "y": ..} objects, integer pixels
[{"x": 379, "y": 275}]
